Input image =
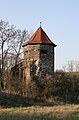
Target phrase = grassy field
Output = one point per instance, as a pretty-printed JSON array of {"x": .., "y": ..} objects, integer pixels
[{"x": 67, "y": 112}]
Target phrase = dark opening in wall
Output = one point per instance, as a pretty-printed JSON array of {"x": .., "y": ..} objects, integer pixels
[
  {"x": 43, "y": 51},
  {"x": 26, "y": 53}
]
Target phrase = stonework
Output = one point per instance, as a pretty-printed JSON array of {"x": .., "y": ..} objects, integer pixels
[{"x": 39, "y": 61}]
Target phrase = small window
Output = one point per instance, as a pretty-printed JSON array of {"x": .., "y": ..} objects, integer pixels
[
  {"x": 43, "y": 51},
  {"x": 26, "y": 52}
]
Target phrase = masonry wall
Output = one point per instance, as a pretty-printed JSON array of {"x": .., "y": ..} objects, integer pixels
[
  {"x": 31, "y": 57},
  {"x": 47, "y": 61},
  {"x": 38, "y": 61}
]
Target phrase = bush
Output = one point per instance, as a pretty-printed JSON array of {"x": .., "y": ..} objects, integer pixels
[
  {"x": 63, "y": 87},
  {"x": 66, "y": 87}
]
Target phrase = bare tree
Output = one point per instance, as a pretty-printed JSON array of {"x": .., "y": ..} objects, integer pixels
[
  {"x": 16, "y": 45},
  {"x": 71, "y": 66},
  {"x": 76, "y": 66},
  {"x": 7, "y": 33},
  {"x": 11, "y": 51},
  {"x": 64, "y": 68}
]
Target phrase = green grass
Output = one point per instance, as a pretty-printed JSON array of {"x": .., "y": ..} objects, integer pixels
[{"x": 67, "y": 112}]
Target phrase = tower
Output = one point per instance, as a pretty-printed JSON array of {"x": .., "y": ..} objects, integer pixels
[{"x": 38, "y": 56}]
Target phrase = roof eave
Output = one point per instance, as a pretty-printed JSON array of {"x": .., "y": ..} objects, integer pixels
[{"x": 51, "y": 44}]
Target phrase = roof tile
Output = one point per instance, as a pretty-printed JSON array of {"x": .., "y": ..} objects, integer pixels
[{"x": 39, "y": 37}]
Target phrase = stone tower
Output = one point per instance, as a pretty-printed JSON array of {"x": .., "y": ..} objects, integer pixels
[{"x": 38, "y": 56}]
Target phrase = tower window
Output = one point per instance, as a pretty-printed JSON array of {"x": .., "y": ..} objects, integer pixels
[
  {"x": 26, "y": 53},
  {"x": 43, "y": 51}
]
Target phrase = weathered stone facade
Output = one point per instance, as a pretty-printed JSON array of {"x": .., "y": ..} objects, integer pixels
[{"x": 39, "y": 61}]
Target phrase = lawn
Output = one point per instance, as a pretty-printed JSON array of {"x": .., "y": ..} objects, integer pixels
[{"x": 64, "y": 112}]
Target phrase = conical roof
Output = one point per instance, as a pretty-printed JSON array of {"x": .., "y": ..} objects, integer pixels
[{"x": 39, "y": 37}]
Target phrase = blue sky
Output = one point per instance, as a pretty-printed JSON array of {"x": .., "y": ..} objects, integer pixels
[{"x": 60, "y": 20}]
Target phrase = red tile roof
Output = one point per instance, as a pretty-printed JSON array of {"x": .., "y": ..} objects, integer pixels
[{"x": 39, "y": 37}]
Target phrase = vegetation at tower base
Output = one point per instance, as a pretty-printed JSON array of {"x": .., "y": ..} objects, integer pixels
[{"x": 63, "y": 88}]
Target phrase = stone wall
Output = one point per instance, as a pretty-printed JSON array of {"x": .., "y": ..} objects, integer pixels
[
  {"x": 47, "y": 61},
  {"x": 38, "y": 61},
  {"x": 31, "y": 56}
]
